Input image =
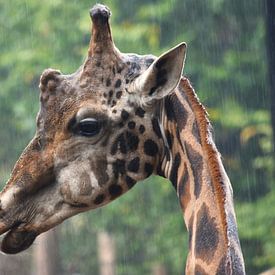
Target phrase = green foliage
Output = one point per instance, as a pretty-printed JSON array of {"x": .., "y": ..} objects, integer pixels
[
  {"x": 227, "y": 64},
  {"x": 258, "y": 233}
]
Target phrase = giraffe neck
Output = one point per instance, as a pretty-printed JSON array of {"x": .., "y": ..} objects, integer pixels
[{"x": 192, "y": 163}]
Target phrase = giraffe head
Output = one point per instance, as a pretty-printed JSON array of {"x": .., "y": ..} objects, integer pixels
[{"x": 97, "y": 135}]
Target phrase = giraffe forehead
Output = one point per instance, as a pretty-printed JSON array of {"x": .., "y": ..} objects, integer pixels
[
  {"x": 103, "y": 87},
  {"x": 93, "y": 77}
]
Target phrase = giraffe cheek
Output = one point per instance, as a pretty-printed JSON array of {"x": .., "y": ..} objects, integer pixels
[
  {"x": 74, "y": 197},
  {"x": 77, "y": 184}
]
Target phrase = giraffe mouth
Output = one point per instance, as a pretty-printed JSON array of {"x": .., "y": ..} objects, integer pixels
[{"x": 17, "y": 239}]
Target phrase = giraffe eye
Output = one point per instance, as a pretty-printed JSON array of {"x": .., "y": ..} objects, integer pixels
[{"x": 88, "y": 127}]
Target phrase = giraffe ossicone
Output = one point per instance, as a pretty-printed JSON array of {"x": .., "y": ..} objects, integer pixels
[{"x": 118, "y": 119}]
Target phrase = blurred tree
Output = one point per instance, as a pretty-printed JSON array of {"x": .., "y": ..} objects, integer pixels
[
  {"x": 46, "y": 259},
  {"x": 270, "y": 38},
  {"x": 10, "y": 265},
  {"x": 158, "y": 269},
  {"x": 106, "y": 253}
]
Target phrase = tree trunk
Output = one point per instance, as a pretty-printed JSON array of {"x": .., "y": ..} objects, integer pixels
[
  {"x": 270, "y": 39},
  {"x": 46, "y": 254},
  {"x": 268, "y": 272},
  {"x": 158, "y": 269},
  {"x": 15, "y": 264},
  {"x": 106, "y": 254}
]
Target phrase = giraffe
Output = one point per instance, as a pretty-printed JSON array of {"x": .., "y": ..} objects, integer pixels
[{"x": 117, "y": 120}]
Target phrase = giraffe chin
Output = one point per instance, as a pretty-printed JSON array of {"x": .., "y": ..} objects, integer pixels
[{"x": 17, "y": 240}]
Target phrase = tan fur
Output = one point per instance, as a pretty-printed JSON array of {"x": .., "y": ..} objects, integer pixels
[{"x": 209, "y": 147}]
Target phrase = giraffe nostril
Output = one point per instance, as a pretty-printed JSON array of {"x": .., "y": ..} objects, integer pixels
[{"x": 3, "y": 228}]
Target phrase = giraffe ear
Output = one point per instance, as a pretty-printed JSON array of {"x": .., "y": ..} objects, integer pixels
[{"x": 163, "y": 75}]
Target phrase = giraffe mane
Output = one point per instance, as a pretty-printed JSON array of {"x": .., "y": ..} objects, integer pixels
[{"x": 209, "y": 147}]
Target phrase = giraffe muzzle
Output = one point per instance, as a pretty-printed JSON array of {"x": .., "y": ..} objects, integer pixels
[
  {"x": 17, "y": 240},
  {"x": 24, "y": 218},
  {"x": 14, "y": 221}
]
